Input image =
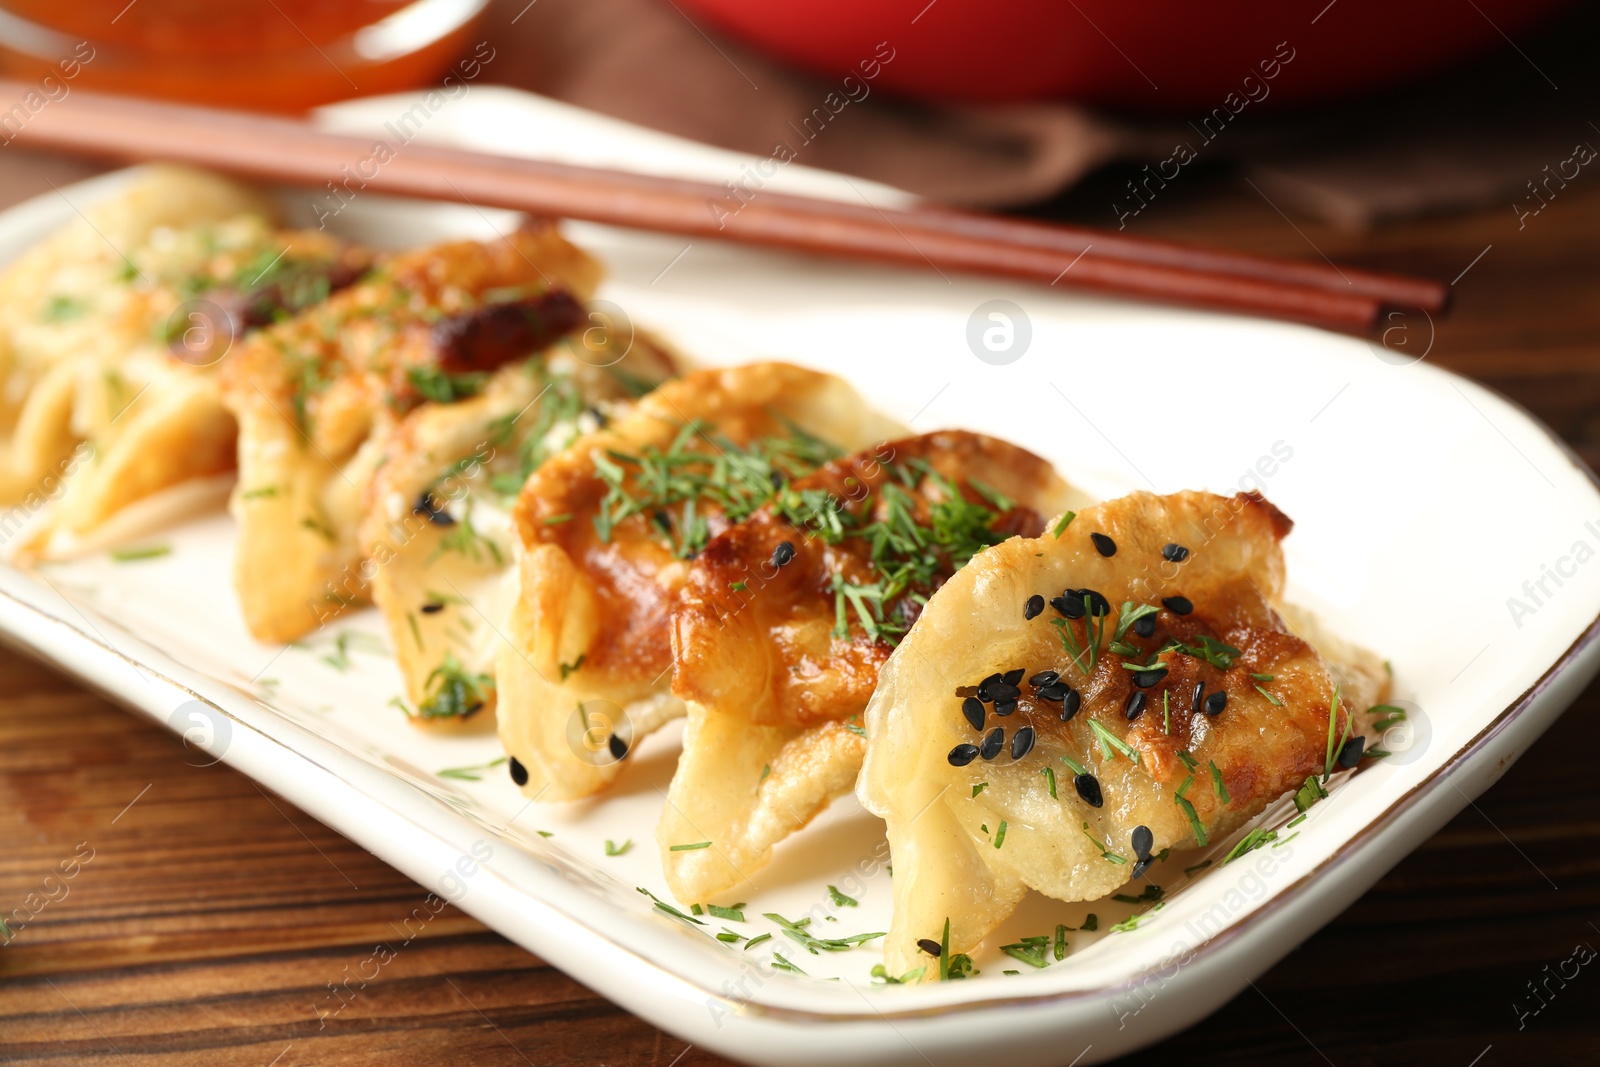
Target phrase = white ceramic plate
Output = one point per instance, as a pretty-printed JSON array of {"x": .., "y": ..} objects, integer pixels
[{"x": 1423, "y": 504}]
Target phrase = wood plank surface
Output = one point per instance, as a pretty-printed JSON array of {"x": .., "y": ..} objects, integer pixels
[{"x": 212, "y": 917}]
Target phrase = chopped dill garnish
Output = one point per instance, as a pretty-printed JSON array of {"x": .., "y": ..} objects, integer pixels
[
  {"x": 699, "y": 469},
  {"x": 1110, "y": 741},
  {"x": 796, "y": 931},
  {"x": 1334, "y": 746},
  {"x": 1217, "y": 653},
  {"x": 881, "y": 974},
  {"x": 470, "y": 774},
  {"x": 130, "y": 555},
  {"x": 1217, "y": 785},
  {"x": 1309, "y": 794},
  {"x": 1030, "y": 950},
  {"x": 910, "y": 554},
  {"x": 1391, "y": 715},
  {"x": 454, "y": 691},
  {"x": 1105, "y": 850},
  {"x": 1188, "y": 810},
  {"x": 1249, "y": 843},
  {"x": 669, "y": 909},
  {"x": 444, "y": 388}
]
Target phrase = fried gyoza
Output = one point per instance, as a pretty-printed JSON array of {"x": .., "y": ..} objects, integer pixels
[
  {"x": 109, "y": 332},
  {"x": 437, "y": 526},
  {"x": 1160, "y": 656},
  {"x": 608, "y": 530},
  {"x": 317, "y": 396},
  {"x": 786, "y": 618}
]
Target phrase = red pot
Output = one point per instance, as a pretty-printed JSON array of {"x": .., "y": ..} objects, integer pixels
[{"x": 1157, "y": 55}]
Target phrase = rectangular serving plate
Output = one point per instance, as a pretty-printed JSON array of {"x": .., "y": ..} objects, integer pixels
[{"x": 1423, "y": 504}]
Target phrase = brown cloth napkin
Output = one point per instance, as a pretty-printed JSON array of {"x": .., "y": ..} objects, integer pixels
[
  {"x": 1467, "y": 138},
  {"x": 647, "y": 62}
]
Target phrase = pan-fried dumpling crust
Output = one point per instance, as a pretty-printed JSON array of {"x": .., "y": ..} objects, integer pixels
[
  {"x": 606, "y": 531},
  {"x": 443, "y": 593},
  {"x": 943, "y": 838},
  {"x": 774, "y": 678},
  {"x": 316, "y": 397}
]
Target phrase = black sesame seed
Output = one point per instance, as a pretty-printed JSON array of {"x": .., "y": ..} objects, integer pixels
[
  {"x": 618, "y": 747},
  {"x": 1145, "y": 679},
  {"x": 1088, "y": 787},
  {"x": 1350, "y": 754},
  {"x": 986, "y": 685},
  {"x": 1145, "y": 625},
  {"x": 972, "y": 708},
  {"x": 434, "y": 511},
  {"x": 1174, "y": 553},
  {"x": 1005, "y": 707},
  {"x": 1141, "y": 866},
  {"x": 1022, "y": 742},
  {"x": 663, "y": 520},
  {"x": 777, "y": 479},
  {"x": 1044, "y": 678},
  {"x": 1055, "y": 694},
  {"x": 930, "y": 946},
  {"x": 783, "y": 553},
  {"x": 1196, "y": 697},
  {"x": 1070, "y": 703},
  {"x": 1143, "y": 841},
  {"x": 1033, "y": 607},
  {"x": 1216, "y": 702},
  {"x": 1013, "y": 677},
  {"x": 1068, "y": 604},
  {"x": 1099, "y": 606},
  {"x": 993, "y": 743},
  {"x": 1004, "y": 691},
  {"x": 429, "y": 609},
  {"x": 1103, "y": 544},
  {"x": 1135, "y": 706},
  {"x": 962, "y": 755},
  {"x": 1178, "y": 605},
  {"x": 519, "y": 773}
]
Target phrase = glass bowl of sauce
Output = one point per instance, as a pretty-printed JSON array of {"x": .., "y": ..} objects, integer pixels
[{"x": 265, "y": 55}]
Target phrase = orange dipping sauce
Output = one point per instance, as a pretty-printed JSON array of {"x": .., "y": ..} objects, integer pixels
[{"x": 271, "y": 55}]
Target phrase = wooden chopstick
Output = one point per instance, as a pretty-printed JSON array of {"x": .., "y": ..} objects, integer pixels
[{"x": 294, "y": 152}]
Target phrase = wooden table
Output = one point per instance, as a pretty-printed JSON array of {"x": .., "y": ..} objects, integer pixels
[{"x": 213, "y": 914}]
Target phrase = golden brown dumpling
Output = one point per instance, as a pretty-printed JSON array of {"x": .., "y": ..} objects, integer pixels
[
  {"x": 1153, "y": 653},
  {"x": 607, "y": 532},
  {"x": 317, "y": 396},
  {"x": 786, "y": 618},
  {"x": 437, "y": 526}
]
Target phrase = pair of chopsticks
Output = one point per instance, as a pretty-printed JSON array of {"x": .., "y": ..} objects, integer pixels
[{"x": 285, "y": 150}]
